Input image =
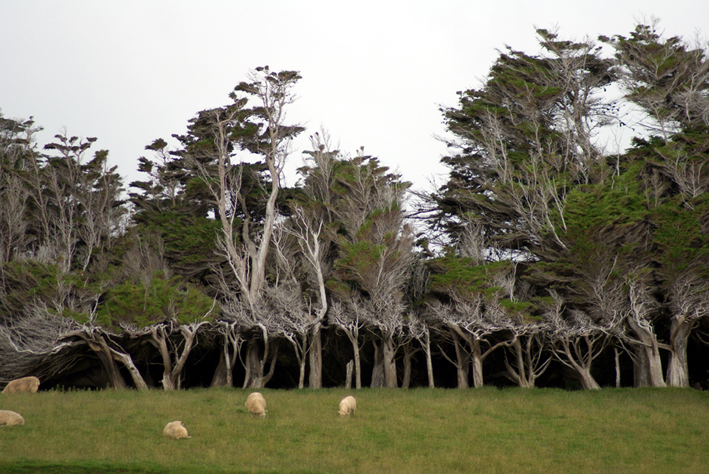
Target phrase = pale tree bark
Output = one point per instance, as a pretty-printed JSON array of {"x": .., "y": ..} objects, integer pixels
[
  {"x": 417, "y": 329},
  {"x": 349, "y": 323},
  {"x": 231, "y": 346},
  {"x": 307, "y": 323},
  {"x": 308, "y": 234},
  {"x": 13, "y": 216},
  {"x": 666, "y": 77},
  {"x": 426, "y": 344},
  {"x": 468, "y": 327},
  {"x": 262, "y": 331},
  {"x": 18, "y": 156},
  {"x": 174, "y": 354},
  {"x": 461, "y": 362},
  {"x": 678, "y": 365},
  {"x": 528, "y": 361},
  {"x": 384, "y": 371},
  {"x": 256, "y": 375},
  {"x": 109, "y": 353},
  {"x": 409, "y": 352},
  {"x": 648, "y": 365},
  {"x": 34, "y": 343},
  {"x": 246, "y": 252},
  {"x": 689, "y": 306},
  {"x": 376, "y": 256},
  {"x": 386, "y": 323},
  {"x": 576, "y": 341}
]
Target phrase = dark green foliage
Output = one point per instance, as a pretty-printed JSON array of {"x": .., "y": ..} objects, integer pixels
[
  {"x": 143, "y": 303},
  {"x": 453, "y": 276}
]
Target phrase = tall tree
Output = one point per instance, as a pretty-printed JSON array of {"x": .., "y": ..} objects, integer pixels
[
  {"x": 375, "y": 256},
  {"x": 246, "y": 233}
]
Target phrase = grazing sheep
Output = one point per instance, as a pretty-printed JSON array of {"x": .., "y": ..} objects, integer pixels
[
  {"x": 25, "y": 384},
  {"x": 348, "y": 405},
  {"x": 256, "y": 404},
  {"x": 10, "y": 418},
  {"x": 175, "y": 430}
]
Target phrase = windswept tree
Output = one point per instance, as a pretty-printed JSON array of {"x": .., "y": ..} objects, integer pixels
[
  {"x": 18, "y": 155},
  {"x": 576, "y": 340},
  {"x": 466, "y": 312},
  {"x": 666, "y": 78},
  {"x": 80, "y": 199},
  {"x": 244, "y": 196},
  {"x": 521, "y": 140},
  {"x": 165, "y": 311},
  {"x": 375, "y": 256},
  {"x": 170, "y": 219},
  {"x": 314, "y": 226}
]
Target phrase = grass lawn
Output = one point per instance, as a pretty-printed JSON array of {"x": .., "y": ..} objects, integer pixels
[{"x": 408, "y": 431}]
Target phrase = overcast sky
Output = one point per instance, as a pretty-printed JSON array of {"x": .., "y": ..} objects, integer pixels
[{"x": 374, "y": 72}]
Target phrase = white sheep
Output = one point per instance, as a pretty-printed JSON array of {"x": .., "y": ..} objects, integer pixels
[
  {"x": 348, "y": 405},
  {"x": 24, "y": 384},
  {"x": 256, "y": 404},
  {"x": 11, "y": 418},
  {"x": 175, "y": 430}
]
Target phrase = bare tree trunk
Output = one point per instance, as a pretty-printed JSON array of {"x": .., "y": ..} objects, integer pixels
[
  {"x": 221, "y": 374},
  {"x": 617, "y": 367},
  {"x": 355, "y": 348},
  {"x": 518, "y": 373},
  {"x": 254, "y": 373},
  {"x": 429, "y": 363},
  {"x": 587, "y": 380},
  {"x": 315, "y": 354},
  {"x": 160, "y": 341},
  {"x": 104, "y": 355},
  {"x": 573, "y": 354},
  {"x": 389, "y": 361},
  {"x": 348, "y": 375},
  {"x": 378, "y": 368},
  {"x": 189, "y": 334},
  {"x": 384, "y": 371},
  {"x": 409, "y": 351},
  {"x": 461, "y": 365},
  {"x": 301, "y": 375},
  {"x": 108, "y": 357},
  {"x": 477, "y": 367},
  {"x": 477, "y": 364},
  {"x": 678, "y": 366},
  {"x": 256, "y": 376},
  {"x": 127, "y": 361},
  {"x": 647, "y": 363}
]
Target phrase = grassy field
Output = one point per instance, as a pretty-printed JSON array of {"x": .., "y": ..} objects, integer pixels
[{"x": 409, "y": 431}]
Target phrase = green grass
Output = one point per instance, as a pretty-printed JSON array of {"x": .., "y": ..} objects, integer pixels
[{"x": 409, "y": 431}]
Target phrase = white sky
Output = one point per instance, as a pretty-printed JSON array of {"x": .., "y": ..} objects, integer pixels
[{"x": 374, "y": 72}]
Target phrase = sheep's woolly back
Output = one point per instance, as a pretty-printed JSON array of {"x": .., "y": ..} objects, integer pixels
[
  {"x": 175, "y": 430},
  {"x": 348, "y": 405},
  {"x": 25, "y": 384},
  {"x": 11, "y": 418},
  {"x": 256, "y": 404}
]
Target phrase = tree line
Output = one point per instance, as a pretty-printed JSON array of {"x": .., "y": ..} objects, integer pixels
[{"x": 543, "y": 259}]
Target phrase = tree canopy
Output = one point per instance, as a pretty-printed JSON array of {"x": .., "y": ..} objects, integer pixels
[{"x": 544, "y": 259}]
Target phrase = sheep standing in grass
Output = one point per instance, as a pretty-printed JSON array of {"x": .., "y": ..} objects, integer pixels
[
  {"x": 256, "y": 404},
  {"x": 348, "y": 405},
  {"x": 11, "y": 418},
  {"x": 175, "y": 430},
  {"x": 25, "y": 384}
]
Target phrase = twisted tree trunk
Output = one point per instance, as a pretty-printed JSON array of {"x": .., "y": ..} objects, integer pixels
[{"x": 678, "y": 366}]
